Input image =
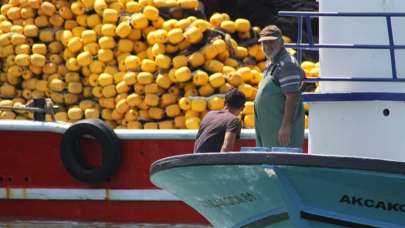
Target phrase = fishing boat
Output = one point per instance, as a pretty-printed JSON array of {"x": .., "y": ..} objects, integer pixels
[
  {"x": 354, "y": 171},
  {"x": 37, "y": 183},
  {"x": 86, "y": 171}
]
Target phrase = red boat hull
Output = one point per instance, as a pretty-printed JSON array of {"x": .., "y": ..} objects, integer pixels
[
  {"x": 30, "y": 161},
  {"x": 103, "y": 211}
]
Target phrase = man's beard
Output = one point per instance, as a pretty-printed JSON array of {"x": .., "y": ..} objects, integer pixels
[
  {"x": 274, "y": 53},
  {"x": 268, "y": 55},
  {"x": 271, "y": 54}
]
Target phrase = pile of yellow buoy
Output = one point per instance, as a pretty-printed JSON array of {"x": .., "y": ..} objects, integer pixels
[{"x": 121, "y": 61}]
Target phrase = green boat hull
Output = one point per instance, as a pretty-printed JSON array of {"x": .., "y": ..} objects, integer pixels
[
  {"x": 228, "y": 196},
  {"x": 287, "y": 190}
]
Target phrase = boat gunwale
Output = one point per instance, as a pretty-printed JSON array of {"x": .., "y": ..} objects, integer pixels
[
  {"x": 124, "y": 134},
  {"x": 353, "y": 96},
  {"x": 288, "y": 159}
]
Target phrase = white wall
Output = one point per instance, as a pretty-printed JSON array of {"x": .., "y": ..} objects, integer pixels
[
  {"x": 367, "y": 30},
  {"x": 359, "y": 128}
]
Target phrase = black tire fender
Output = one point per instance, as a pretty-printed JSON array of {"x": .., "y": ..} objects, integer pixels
[{"x": 71, "y": 154}]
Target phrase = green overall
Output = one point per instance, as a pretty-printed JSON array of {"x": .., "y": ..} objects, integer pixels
[{"x": 269, "y": 109}]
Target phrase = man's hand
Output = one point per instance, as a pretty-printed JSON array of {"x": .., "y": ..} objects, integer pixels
[
  {"x": 49, "y": 108},
  {"x": 284, "y": 135}
]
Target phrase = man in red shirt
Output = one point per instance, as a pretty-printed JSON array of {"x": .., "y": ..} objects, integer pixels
[{"x": 220, "y": 129}]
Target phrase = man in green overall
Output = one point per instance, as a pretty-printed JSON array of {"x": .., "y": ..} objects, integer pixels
[{"x": 279, "y": 112}]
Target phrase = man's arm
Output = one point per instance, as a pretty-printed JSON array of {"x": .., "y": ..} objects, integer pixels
[
  {"x": 284, "y": 133},
  {"x": 229, "y": 142},
  {"x": 290, "y": 83}
]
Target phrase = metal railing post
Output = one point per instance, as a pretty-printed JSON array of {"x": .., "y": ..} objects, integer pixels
[
  {"x": 299, "y": 39},
  {"x": 392, "y": 48},
  {"x": 309, "y": 30}
]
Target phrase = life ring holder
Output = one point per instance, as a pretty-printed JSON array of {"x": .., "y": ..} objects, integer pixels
[{"x": 71, "y": 154}]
